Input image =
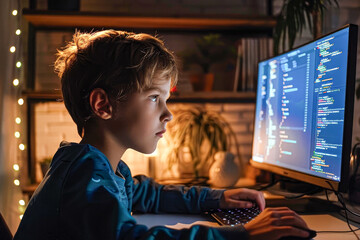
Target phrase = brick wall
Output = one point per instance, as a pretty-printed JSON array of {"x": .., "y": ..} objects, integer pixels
[{"x": 53, "y": 125}]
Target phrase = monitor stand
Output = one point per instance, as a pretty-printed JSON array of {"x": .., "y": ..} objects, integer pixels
[
  {"x": 304, "y": 205},
  {"x": 308, "y": 204}
]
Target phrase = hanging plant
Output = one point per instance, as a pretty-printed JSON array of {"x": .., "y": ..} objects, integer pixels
[{"x": 294, "y": 16}]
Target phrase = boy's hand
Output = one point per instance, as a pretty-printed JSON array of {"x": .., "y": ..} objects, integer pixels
[
  {"x": 242, "y": 198},
  {"x": 274, "y": 223}
]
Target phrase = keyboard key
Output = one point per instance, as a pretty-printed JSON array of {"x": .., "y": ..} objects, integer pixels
[{"x": 233, "y": 217}]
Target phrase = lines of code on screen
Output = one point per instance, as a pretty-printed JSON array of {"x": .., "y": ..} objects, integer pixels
[{"x": 300, "y": 107}]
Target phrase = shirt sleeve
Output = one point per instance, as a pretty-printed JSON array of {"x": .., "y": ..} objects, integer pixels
[
  {"x": 98, "y": 211},
  {"x": 149, "y": 196}
]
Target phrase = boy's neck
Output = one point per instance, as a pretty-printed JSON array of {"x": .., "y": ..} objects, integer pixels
[{"x": 109, "y": 148}]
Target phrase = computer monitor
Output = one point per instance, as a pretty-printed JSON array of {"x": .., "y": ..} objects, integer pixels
[{"x": 304, "y": 111}]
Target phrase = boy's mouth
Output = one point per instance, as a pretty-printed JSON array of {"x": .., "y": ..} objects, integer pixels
[{"x": 161, "y": 133}]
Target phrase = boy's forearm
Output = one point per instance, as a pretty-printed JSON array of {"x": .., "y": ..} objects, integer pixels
[
  {"x": 149, "y": 196},
  {"x": 194, "y": 199}
]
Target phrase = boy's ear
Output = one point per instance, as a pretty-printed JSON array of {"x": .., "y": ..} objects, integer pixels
[{"x": 100, "y": 104}]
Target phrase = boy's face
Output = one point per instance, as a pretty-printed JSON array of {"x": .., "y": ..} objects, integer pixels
[{"x": 140, "y": 122}]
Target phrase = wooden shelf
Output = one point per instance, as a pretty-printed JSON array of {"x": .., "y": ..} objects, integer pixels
[
  {"x": 44, "y": 18},
  {"x": 187, "y": 97},
  {"x": 43, "y": 95},
  {"x": 213, "y": 97}
]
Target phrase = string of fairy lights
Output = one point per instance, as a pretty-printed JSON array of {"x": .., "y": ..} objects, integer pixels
[{"x": 15, "y": 49}]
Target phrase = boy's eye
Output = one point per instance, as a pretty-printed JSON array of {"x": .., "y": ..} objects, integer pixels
[{"x": 154, "y": 98}]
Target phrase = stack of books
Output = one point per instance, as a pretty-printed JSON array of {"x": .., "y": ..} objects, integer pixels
[{"x": 249, "y": 52}]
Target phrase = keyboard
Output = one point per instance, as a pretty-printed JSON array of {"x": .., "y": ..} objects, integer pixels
[{"x": 236, "y": 216}]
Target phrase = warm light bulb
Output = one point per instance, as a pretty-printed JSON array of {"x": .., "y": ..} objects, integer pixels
[
  {"x": 16, "y": 82},
  {"x": 22, "y": 202},
  {"x": 18, "y": 64},
  {"x": 16, "y": 167},
  {"x": 18, "y": 120},
  {"x": 17, "y": 182},
  {"x": 21, "y": 147},
  {"x": 17, "y": 134},
  {"x": 18, "y": 32},
  {"x": 12, "y": 49},
  {"x": 21, "y": 101},
  {"x": 14, "y": 12},
  {"x": 21, "y": 216}
]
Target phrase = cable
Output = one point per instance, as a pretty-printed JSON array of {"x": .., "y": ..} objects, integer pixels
[
  {"x": 327, "y": 196},
  {"x": 343, "y": 203},
  {"x": 341, "y": 200}
]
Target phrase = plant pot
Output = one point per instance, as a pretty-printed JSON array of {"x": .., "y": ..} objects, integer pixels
[
  {"x": 202, "y": 82},
  {"x": 224, "y": 172}
]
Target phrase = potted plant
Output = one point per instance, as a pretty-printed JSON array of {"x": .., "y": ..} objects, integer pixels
[
  {"x": 210, "y": 49},
  {"x": 195, "y": 136},
  {"x": 294, "y": 16}
]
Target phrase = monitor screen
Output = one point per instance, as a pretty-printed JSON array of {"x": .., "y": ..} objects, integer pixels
[{"x": 304, "y": 110}]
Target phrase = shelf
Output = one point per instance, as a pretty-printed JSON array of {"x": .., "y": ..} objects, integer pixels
[
  {"x": 44, "y": 18},
  {"x": 213, "y": 97},
  {"x": 189, "y": 97},
  {"x": 54, "y": 95}
]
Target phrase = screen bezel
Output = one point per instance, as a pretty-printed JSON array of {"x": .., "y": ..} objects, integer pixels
[{"x": 348, "y": 124}]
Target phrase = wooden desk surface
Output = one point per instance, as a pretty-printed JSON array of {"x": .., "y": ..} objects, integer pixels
[{"x": 321, "y": 222}]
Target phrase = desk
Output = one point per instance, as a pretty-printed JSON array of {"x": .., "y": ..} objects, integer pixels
[
  {"x": 318, "y": 222},
  {"x": 321, "y": 222}
]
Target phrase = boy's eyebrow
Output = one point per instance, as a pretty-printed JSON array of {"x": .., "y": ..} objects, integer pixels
[{"x": 158, "y": 89}]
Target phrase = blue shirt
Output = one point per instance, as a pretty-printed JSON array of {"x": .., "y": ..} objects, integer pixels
[{"x": 81, "y": 197}]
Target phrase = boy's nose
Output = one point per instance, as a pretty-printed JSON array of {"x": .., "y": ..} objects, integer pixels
[{"x": 167, "y": 116}]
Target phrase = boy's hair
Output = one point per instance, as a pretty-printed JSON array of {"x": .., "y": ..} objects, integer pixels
[{"x": 119, "y": 62}]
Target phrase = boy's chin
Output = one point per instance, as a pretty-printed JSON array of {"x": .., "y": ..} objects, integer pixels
[{"x": 149, "y": 150}]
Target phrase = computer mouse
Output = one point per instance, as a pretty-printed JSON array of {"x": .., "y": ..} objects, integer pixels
[{"x": 311, "y": 236}]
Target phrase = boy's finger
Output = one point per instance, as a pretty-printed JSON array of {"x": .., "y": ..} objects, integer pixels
[
  {"x": 240, "y": 204},
  {"x": 260, "y": 200},
  {"x": 294, "y": 221},
  {"x": 257, "y": 197}
]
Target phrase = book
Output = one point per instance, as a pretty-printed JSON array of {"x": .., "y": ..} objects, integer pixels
[{"x": 250, "y": 51}]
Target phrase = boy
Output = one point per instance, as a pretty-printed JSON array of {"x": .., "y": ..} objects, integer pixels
[{"x": 115, "y": 86}]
